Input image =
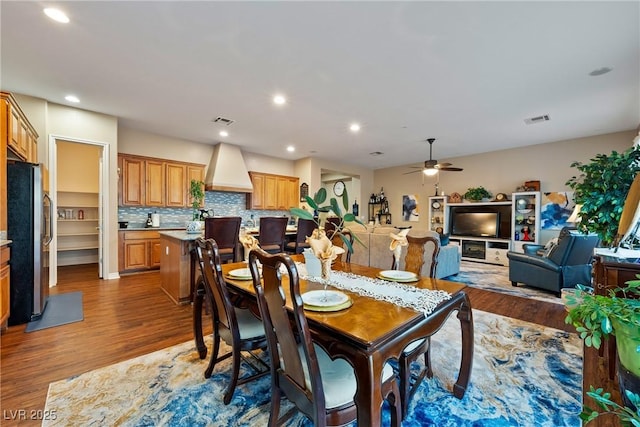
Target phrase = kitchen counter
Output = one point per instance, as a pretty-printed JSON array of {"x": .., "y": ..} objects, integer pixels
[
  {"x": 5, "y": 242},
  {"x": 143, "y": 228},
  {"x": 177, "y": 264}
]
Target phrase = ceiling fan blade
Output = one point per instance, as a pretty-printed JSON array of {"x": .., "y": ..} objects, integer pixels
[
  {"x": 407, "y": 173},
  {"x": 443, "y": 165},
  {"x": 451, "y": 169}
]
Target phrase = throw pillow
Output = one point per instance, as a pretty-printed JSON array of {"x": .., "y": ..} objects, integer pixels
[{"x": 444, "y": 239}]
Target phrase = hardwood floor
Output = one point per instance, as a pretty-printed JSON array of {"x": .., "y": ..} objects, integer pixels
[{"x": 131, "y": 316}]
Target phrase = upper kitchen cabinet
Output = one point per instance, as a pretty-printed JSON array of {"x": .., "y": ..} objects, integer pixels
[
  {"x": 146, "y": 181},
  {"x": 273, "y": 192},
  {"x": 20, "y": 137},
  {"x": 197, "y": 173}
]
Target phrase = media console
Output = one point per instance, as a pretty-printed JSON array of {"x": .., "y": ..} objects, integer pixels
[
  {"x": 486, "y": 231},
  {"x": 492, "y": 251}
]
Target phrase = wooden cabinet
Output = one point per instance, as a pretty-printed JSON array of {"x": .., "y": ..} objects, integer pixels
[
  {"x": 177, "y": 185},
  {"x": 4, "y": 285},
  {"x": 273, "y": 192},
  {"x": 20, "y": 137},
  {"x": 139, "y": 250},
  {"x": 131, "y": 181},
  {"x": 155, "y": 183},
  {"x": 146, "y": 181}
]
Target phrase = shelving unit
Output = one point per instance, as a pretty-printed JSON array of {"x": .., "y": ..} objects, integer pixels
[
  {"x": 380, "y": 210},
  {"x": 437, "y": 209},
  {"x": 525, "y": 214},
  {"x": 77, "y": 228}
]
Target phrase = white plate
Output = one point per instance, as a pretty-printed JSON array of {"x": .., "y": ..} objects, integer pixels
[
  {"x": 322, "y": 298},
  {"x": 242, "y": 273},
  {"x": 398, "y": 275}
]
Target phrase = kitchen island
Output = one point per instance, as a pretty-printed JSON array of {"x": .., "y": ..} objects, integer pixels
[{"x": 176, "y": 264}]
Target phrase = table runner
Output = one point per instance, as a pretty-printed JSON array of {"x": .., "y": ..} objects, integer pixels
[{"x": 422, "y": 300}]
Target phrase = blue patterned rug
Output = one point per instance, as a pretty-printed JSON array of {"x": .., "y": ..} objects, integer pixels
[
  {"x": 523, "y": 375},
  {"x": 495, "y": 278}
]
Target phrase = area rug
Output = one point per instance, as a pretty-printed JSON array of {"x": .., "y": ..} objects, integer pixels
[
  {"x": 491, "y": 277},
  {"x": 61, "y": 309},
  {"x": 523, "y": 375}
]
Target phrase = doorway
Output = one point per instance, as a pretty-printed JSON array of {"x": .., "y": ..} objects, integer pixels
[{"x": 78, "y": 182}]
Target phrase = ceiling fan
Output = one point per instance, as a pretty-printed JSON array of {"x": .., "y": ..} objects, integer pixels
[{"x": 431, "y": 166}]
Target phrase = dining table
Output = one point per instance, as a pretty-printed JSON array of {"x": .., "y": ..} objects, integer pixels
[{"x": 371, "y": 331}]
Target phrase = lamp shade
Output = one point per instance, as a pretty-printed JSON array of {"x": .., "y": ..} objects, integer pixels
[{"x": 573, "y": 218}]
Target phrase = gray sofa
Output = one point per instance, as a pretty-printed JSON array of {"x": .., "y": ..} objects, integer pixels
[{"x": 376, "y": 252}]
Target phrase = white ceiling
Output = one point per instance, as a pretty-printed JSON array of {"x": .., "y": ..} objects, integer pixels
[{"x": 466, "y": 73}]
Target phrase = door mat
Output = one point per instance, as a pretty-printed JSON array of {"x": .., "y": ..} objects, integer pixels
[{"x": 60, "y": 310}]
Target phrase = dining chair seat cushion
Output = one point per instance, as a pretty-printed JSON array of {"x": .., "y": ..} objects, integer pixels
[
  {"x": 338, "y": 378},
  {"x": 292, "y": 245},
  {"x": 248, "y": 325},
  {"x": 225, "y": 251},
  {"x": 269, "y": 247},
  {"x": 412, "y": 346}
]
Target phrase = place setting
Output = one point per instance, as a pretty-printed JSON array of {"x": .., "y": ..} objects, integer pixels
[
  {"x": 326, "y": 300},
  {"x": 400, "y": 276}
]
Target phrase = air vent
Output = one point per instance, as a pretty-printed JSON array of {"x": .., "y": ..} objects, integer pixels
[
  {"x": 538, "y": 119},
  {"x": 222, "y": 120},
  {"x": 376, "y": 153}
]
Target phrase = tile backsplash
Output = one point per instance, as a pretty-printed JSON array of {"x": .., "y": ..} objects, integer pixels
[{"x": 222, "y": 203}]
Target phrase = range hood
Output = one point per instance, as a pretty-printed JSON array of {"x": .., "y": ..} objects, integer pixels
[{"x": 227, "y": 171}]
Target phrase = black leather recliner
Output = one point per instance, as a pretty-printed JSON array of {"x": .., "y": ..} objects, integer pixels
[{"x": 568, "y": 264}]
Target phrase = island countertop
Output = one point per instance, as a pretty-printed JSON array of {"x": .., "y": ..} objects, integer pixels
[{"x": 181, "y": 235}]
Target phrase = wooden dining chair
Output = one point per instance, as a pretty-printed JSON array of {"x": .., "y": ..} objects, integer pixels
[
  {"x": 272, "y": 233},
  {"x": 305, "y": 228},
  {"x": 321, "y": 388},
  {"x": 414, "y": 260},
  {"x": 238, "y": 327},
  {"x": 226, "y": 232}
]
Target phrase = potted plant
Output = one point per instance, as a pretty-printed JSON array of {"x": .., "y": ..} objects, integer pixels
[
  {"x": 598, "y": 316},
  {"x": 476, "y": 194},
  {"x": 196, "y": 193},
  {"x": 316, "y": 204},
  {"x": 601, "y": 189},
  {"x": 628, "y": 416}
]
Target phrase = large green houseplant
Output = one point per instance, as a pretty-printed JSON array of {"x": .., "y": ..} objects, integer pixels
[
  {"x": 601, "y": 189},
  {"x": 596, "y": 317}
]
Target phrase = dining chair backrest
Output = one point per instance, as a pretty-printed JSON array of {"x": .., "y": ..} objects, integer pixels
[
  {"x": 305, "y": 229},
  {"x": 331, "y": 224},
  {"x": 340, "y": 242},
  {"x": 415, "y": 258},
  {"x": 284, "y": 331},
  {"x": 272, "y": 233},
  {"x": 225, "y": 231},
  {"x": 237, "y": 327},
  {"x": 209, "y": 259}
]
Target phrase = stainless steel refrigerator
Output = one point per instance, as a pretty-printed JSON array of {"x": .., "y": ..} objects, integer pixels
[{"x": 29, "y": 229}]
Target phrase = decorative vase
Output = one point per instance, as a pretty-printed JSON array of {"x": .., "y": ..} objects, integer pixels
[
  {"x": 194, "y": 227},
  {"x": 628, "y": 349},
  {"x": 314, "y": 269},
  {"x": 326, "y": 268}
]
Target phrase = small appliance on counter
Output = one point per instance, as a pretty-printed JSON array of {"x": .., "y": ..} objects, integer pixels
[{"x": 155, "y": 219}]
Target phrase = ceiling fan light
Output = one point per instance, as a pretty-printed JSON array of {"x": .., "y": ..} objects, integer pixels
[{"x": 430, "y": 172}]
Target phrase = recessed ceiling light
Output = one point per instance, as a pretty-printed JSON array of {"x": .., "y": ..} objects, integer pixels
[
  {"x": 223, "y": 133},
  {"x": 291, "y": 148},
  {"x": 600, "y": 71},
  {"x": 279, "y": 100},
  {"x": 56, "y": 15},
  {"x": 354, "y": 127},
  {"x": 72, "y": 98}
]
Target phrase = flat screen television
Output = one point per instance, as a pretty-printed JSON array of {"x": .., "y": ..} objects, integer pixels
[{"x": 475, "y": 224}]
